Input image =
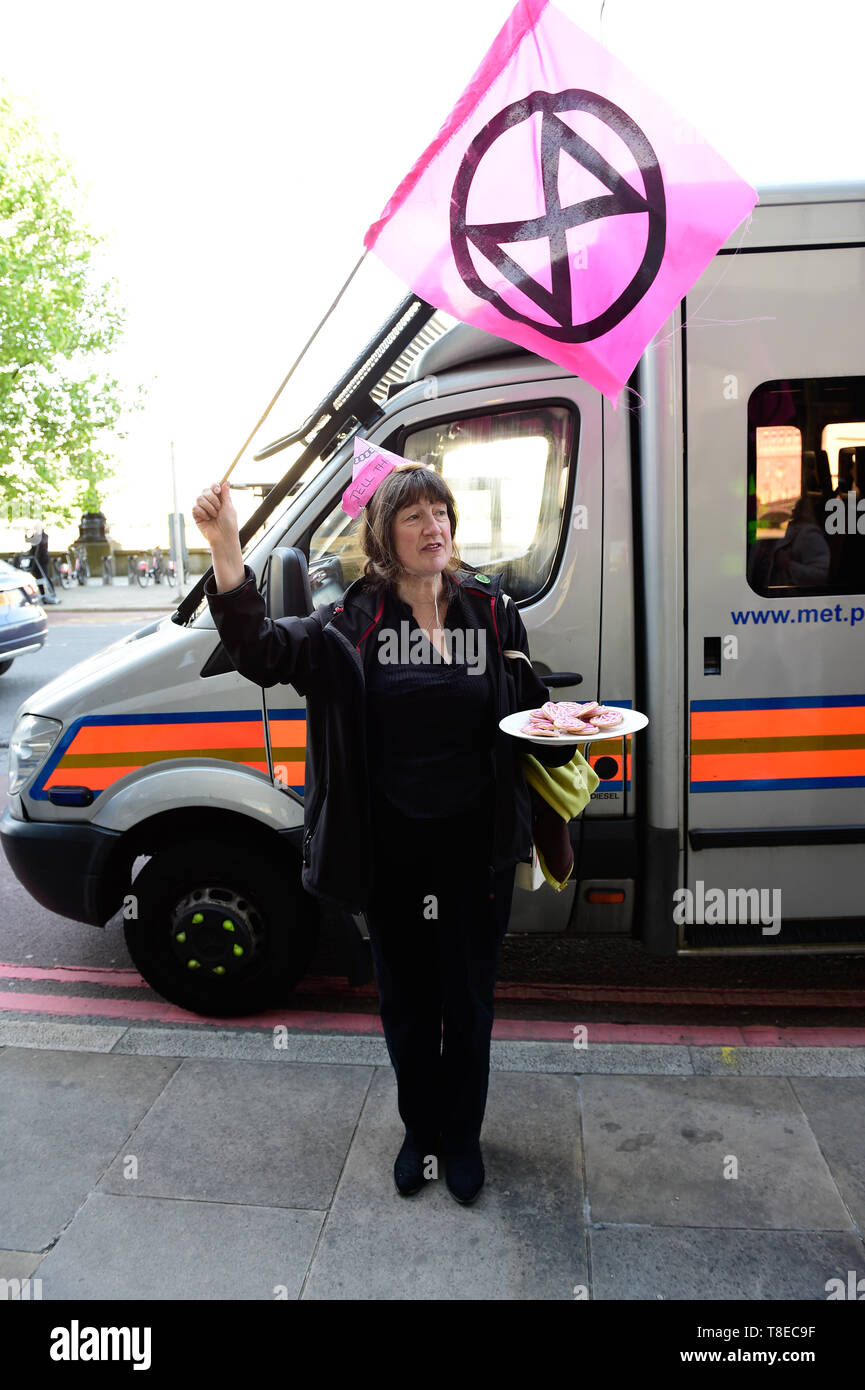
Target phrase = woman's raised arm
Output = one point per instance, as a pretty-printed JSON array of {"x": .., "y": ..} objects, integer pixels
[
  {"x": 216, "y": 519},
  {"x": 268, "y": 652}
]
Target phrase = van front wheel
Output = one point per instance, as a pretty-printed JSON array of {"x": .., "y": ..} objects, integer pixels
[{"x": 219, "y": 929}]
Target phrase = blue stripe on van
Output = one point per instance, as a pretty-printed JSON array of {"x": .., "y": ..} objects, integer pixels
[
  {"x": 205, "y": 717},
  {"x": 781, "y": 702},
  {"x": 779, "y": 784},
  {"x": 70, "y": 733}
]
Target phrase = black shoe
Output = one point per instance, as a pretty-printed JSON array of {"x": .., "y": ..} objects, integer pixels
[
  {"x": 464, "y": 1175},
  {"x": 408, "y": 1169}
]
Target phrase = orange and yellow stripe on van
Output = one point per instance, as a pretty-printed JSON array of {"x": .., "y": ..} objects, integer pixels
[
  {"x": 288, "y": 747},
  {"x": 778, "y": 744},
  {"x": 613, "y": 781},
  {"x": 97, "y": 751},
  {"x": 611, "y": 749}
]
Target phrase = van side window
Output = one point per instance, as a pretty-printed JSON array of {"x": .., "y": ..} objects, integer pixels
[
  {"x": 806, "y": 487},
  {"x": 509, "y": 474},
  {"x": 335, "y": 557}
]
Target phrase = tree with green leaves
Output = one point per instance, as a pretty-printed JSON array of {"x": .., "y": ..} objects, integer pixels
[{"x": 57, "y": 319}]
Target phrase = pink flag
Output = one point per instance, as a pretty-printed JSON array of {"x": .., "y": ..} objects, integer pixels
[
  {"x": 562, "y": 205},
  {"x": 370, "y": 467}
]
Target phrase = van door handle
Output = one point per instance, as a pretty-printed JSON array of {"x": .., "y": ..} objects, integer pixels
[{"x": 556, "y": 678}]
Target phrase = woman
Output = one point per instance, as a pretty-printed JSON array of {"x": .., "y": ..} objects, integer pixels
[{"x": 416, "y": 810}]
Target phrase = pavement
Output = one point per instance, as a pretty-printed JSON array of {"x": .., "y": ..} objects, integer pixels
[
  {"x": 119, "y": 596},
  {"x": 148, "y": 1154},
  {"x": 252, "y": 1160}
]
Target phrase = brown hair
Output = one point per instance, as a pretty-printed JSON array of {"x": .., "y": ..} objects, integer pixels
[{"x": 407, "y": 483}]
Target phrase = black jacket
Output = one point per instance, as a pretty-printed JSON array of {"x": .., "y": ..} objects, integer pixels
[{"x": 324, "y": 656}]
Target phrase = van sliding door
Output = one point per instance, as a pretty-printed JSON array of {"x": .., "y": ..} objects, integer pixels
[{"x": 775, "y": 470}]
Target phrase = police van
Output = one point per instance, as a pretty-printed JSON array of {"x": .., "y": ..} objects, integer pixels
[{"x": 697, "y": 554}]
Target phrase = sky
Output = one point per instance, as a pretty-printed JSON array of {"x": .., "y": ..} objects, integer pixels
[{"x": 233, "y": 157}]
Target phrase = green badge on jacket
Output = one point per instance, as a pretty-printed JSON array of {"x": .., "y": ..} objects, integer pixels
[{"x": 482, "y": 578}]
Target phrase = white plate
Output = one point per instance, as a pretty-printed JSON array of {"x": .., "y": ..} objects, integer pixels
[{"x": 632, "y": 720}]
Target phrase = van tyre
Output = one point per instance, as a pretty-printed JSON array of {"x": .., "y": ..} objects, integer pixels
[{"x": 220, "y": 929}]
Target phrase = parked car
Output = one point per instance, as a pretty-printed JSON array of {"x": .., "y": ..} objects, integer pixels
[{"x": 23, "y": 624}]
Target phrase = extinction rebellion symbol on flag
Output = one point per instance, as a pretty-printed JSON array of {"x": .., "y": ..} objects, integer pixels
[
  {"x": 563, "y": 204},
  {"x": 552, "y": 224}
]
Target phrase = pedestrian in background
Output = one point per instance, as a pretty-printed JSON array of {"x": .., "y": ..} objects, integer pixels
[{"x": 38, "y": 539}]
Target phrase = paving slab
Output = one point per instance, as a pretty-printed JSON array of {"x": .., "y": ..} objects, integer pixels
[
  {"x": 65, "y": 1116},
  {"x": 64, "y": 1037},
  {"x": 657, "y": 1148},
  {"x": 523, "y": 1238},
  {"x": 254, "y": 1046},
  {"x": 835, "y": 1113},
  {"x": 245, "y": 1132},
  {"x": 596, "y": 1057},
  {"x": 136, "y": 1247},
  {"x": 778, "y": 1061},
  {"x": 652, "y": 1262},
  {"x": 19, "y": 1264}
]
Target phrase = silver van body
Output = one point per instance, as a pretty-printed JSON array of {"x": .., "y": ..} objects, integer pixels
[{"x": 653, "y": 551}]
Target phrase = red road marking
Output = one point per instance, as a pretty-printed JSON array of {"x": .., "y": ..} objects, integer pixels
[
  {"x": 525, "y": 1030},
  {"x": 76, "y": 974},
  {"x": 158, "y": 1011},
  {"x": 511, "y": 990}
]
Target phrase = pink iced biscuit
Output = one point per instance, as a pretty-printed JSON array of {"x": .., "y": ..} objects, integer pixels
[
  {"x": 565, "y": 718},
  {"x": 574, "y": 726},
  {"x": 540, "y": 731},
  {"x": 606, "y": 718},
  {"x": 591, "y": 707},
  {"x": 549, "y": 710},
  {"x": 565, "y": 709}
]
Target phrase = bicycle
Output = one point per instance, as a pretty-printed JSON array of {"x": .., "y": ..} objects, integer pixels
[
  {"x": 146, "y": 573},
  {"x": 80, "y": 569},
  {"x": 62, "y": 572}
]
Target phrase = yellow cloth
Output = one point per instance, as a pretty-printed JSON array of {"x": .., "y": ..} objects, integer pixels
[{"x": 567, "y": 789}]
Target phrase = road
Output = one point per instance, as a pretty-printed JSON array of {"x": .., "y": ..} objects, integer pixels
[
  {"x": 71, "y": 637},
  {"x": 27, "y": 932},
  {"x": 32, "y": 938}
]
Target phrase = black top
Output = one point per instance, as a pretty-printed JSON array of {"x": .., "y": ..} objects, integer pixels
[{"x": 429, "y": 723}]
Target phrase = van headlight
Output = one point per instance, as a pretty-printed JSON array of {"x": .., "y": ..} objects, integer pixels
[{"x": 32, "y": 740}]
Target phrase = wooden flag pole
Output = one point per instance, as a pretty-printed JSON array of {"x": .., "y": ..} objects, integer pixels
[{"x": 288, "y": 377}]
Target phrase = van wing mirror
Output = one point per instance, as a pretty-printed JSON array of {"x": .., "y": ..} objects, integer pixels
[
  {"x": 287, "y": 591},
  {"x": 555, "y": 679}
]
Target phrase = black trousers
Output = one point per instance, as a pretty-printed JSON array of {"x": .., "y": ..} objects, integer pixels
[{"x": 436, "y": 920}]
